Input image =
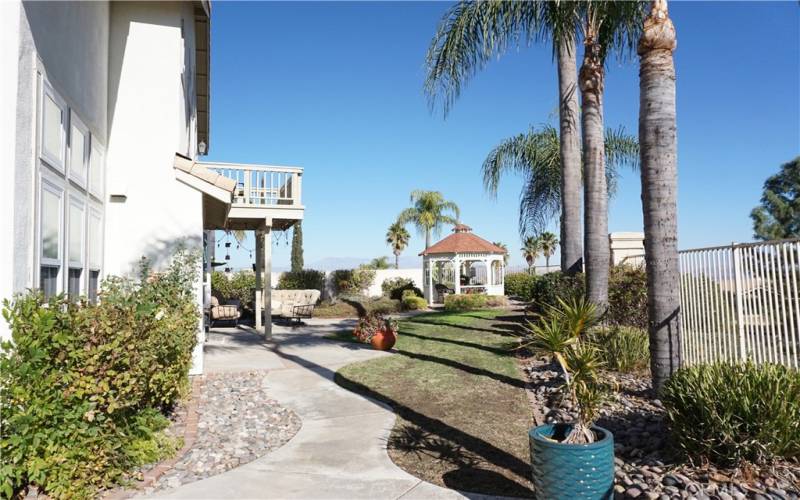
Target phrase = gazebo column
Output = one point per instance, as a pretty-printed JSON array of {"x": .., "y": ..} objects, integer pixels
[
  {"x": 429, "y": 281},
  {"x": 457, "y": 275}
]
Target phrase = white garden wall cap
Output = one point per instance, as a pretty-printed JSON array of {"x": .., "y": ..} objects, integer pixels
[{"x": 189, "y": 166}]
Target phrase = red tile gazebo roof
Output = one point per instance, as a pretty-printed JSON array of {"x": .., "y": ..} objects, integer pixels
[{"x": 462, "y": 241}]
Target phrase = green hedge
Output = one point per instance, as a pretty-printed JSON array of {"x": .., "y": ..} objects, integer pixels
[
  {"x": 83, "y": 385},
  {"x": 238, "y": 286},
  {"x": 730, "y": 413},
  {"x": 412, "y": 302},
  {"x": 622, "y": 348},
  {"x": 627, "y": 294},
  {"x": 395, "y": 288},
  {"x": 472, "y": 301},
  {"x": 307, "y": 279},
  {"x": 520, "y": 286},
  {"x": 352, "y": 281}
]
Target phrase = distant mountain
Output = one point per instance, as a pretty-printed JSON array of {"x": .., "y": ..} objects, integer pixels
[{"x": 333, "y": 263}]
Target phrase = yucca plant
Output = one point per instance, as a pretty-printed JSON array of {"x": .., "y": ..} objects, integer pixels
[{"x": 561, "y": 332}]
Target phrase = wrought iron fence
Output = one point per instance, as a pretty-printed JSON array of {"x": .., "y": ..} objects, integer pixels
[{"x": 740, "y": 302}]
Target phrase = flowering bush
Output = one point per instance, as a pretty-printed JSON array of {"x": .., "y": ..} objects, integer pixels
[{"x": 369, "y": 325}]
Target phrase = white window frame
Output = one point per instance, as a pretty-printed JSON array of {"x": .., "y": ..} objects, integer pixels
[
  {"x": 73, "y": 173},
  {"x": 96, "y": 147},
  {"x": 47, "y": 184},
  {"x": 78, "y": 203},
  {"x": 58, "y": 164}
]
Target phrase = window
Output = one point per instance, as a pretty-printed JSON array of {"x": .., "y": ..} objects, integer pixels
[
  {"x": 75, "y": 244},
  {"x": 96, "y": 167},
  {"x": 78, "y": 149},
  {"x": 69, "y": 222},
  {"x": 53, "y": 125},
  {"x": 50, "y": 225}
]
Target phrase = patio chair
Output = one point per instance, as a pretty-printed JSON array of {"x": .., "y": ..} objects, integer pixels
[
  {"x": 294, "y": 305},
  {"x": 442, "y": 290},
  {"x": 223, "y": 312}
]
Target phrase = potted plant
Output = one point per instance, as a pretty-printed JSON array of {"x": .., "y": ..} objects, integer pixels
[
  {"x": 375, "y": 329},
  {"x": 572, "y": 459}
]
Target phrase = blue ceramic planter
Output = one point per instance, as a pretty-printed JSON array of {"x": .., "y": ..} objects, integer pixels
[{"x": 571, "y": 471}]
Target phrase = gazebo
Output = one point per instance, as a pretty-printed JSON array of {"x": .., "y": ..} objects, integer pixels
[{"x": 462, "y": 263}]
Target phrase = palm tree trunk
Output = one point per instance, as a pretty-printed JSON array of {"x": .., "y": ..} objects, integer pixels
[
  {"x": 571, "y": 248},
  {"x": 595, "y": 191},
  {"x": 427, "y": 238},
  {"x": 658, "y": 142},
  {"x": 396, "y": 259},
  {"x": 547, "y": 263}
]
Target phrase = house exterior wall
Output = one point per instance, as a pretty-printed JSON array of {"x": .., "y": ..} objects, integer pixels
[
  {"x": 151, "y": 116},
  {"x": 10, "y": 17},
  {"x": 127, "y": 71}
]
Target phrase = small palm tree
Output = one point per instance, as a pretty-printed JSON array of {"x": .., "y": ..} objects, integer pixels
[
  {"x": 536, "y": 155},
  {"x": 530, "y": 251},
  {"x": 504, "y": 247},
  {"x": 548, "y": 242},
  {"x": 429, "y": 212},
  {"x": 397, "y": 237}
]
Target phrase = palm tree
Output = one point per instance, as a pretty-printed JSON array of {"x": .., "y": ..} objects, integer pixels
[
  {"x": 378, "y": 263},
  {"x": 504, "y": 247},
  {"x": 473, "y": 33},
  {"x": 548, "y": 244},
  {"x": 397, "y": 237},
  {"x": 429, "y": 212},
  {"x": 536, "y": 155},
  {"x": 530, "y": 250},
  {"x": 658, "y": 135},
  {"x": 605, "y": 25}
]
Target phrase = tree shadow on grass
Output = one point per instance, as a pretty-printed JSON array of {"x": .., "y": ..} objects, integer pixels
[
  {"x": 501, "y": 330},
  {"x": 440, "y": 441},
  {"x": 494, "y": 350},
  {"x": 514, "y": 382}
]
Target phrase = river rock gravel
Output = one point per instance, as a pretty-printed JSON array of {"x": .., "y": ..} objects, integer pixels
[
  {"x": 237, "y": 423},
  {"x": 646, "y": 468}
]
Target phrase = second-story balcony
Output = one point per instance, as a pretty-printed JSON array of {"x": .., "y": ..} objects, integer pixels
[{"x": 261, "y": 186}]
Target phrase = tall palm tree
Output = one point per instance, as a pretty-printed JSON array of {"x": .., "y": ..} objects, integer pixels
[
  {"x": 429, "y": 212},
  {"x": 548, "y": 242},
  {"x": 530, "y": 250},
  {"x": 536, "y": 155},
  {"x": 605, "y": 25},
  {"x": 504, "y": 247},
  {"x": 397, "y": 237},
  {"x": 473, "y": 33},
  {"x": 658, "y": 136}
]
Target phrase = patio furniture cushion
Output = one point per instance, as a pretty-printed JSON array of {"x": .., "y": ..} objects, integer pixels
[
  {"x": 223, "y": 312},
  {"x": 285, "y": 301}
]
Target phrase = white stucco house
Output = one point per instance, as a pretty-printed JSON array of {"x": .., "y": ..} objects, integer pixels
[{"x": 105, "y": 113}]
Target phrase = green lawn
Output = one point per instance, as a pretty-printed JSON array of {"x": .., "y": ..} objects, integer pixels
[{"x": 458, "y": 391}]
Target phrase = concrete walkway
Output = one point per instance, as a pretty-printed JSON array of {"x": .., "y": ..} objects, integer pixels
[{"x": 340, "y": 451}]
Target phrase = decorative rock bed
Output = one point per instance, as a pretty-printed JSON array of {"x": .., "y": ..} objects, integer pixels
[
  {"x": 645, "y": 467},
  {"x": 237, "y": 423}
]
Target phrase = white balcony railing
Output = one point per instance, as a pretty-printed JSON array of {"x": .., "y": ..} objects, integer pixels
[{"x": 263, "y": 185}]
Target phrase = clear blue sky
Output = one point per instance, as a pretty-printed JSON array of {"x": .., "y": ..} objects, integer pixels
[{"x": 337, "y": 89}]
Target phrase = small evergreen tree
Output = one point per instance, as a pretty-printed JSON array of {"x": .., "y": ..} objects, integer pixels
[
  {"x": 297, "y": 248},
  {"x": 778, "y": 216}
]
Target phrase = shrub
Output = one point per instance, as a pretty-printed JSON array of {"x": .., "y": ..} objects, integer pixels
[
  {"x": 239, "y": 287},
  {"x": 520, "y": 285},
  {"x": 83, "y": 383},
  {"x": 627, "y": 297},
  {"x": 352, "y": 281},
  {"x": 622, "y": 348},
  {"x": 730, "y": 413},
  {"x": 548, "y": 288},
  {"x": 307, "y": 279},
  {"x": 395, "y": 288},
  {"x": 471, "y": 302},
  {"x": 355, "y": 306},
  {"x": 412, "y": 302},
  {"x": 627, "y": 294}
]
